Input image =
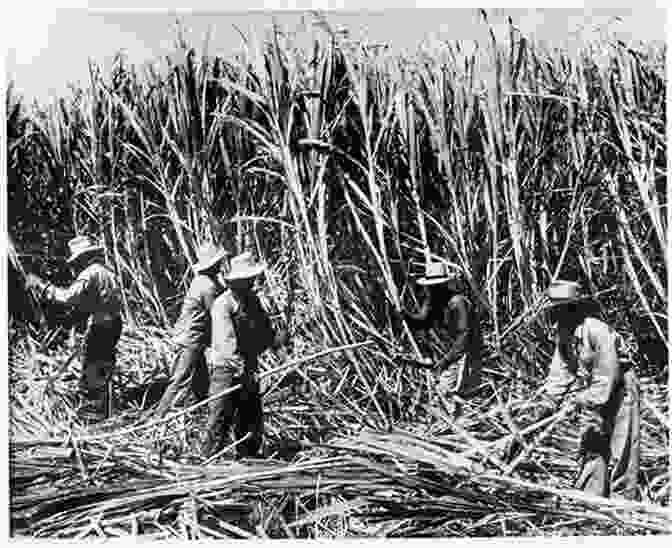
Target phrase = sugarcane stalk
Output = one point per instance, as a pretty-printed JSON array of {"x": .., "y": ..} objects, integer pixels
[
  {"x": 416, "y": 198},
  {"x": 228, "y": 448},
  {"x": 491, "y": 446},
  {"x": 535, "y": 443}
]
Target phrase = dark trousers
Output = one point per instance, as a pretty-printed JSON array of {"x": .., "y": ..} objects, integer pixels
[
  {"x": 190, "y": 372},
  {"x": 98, "y": 362},
  {"x": 617, "y": 439},
  {"x": 241, "y": 409}
]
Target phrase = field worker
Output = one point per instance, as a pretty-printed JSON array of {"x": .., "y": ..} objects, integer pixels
[
  {"x": 609, "y": 404},
  {"x": 450, "y": 322},
  {"x": 95, "y": 293},
  {"x": 192, "y": 331},
  {"x": 241, "y": 331}
]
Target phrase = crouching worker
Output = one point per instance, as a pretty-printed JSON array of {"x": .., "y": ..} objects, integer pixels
[
  {"x": 450, "y": 322},
  {"x": 192, "y": 331},
  {"x": 241, "y": 331},
  {"x": 95, "y": 293},
  {"x": 609, "y": 405}
]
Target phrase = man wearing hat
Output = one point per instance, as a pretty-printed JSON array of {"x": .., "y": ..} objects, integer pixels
[
  {"x": 241, "y": 331},
  {"x": 95, "y": 293},
  {"x": 609, "y": 405},
  {"x": 450, "y": 322},
  {"x": 192, "y": 331}
]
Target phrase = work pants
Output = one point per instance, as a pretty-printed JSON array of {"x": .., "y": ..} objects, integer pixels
[
  {"x": 460, "y": 378},
  {"x": 613, "y": 435},
  {"x": 190, "y": 373},
  {"x": 241, "y": 409},
  {"x": 98, "y": 364}
]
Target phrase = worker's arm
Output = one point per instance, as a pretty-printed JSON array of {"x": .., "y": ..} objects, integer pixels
[
  {"x": 71, "y": 296},
  {"x": 459, "y": 308}
]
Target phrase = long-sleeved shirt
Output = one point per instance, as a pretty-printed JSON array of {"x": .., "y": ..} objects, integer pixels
[
  {"x": 454, "y": 325},
  {"x": 193, "y": 327},
  {"x": 594, "y": 345},
  {"x": 241, "y": 328},
  {"x": 597, "y": 350},
  {"x": 94, "y": 292}
]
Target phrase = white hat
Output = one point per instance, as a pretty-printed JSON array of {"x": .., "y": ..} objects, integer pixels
[
  {"x": 209, "y": 255},
  {"x": 243, "y": 267},
  {"x": 81, "y": 245},
  {"x": 437, "y": 273},
  {"x": 564, "y": 291}
]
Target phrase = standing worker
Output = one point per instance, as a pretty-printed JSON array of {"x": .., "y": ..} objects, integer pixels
[
  {"x": 94, "y": 292},
  {"x": 241, "y": 331},
  {"x": 192, "y": 331},
  {"x": 451, "y": 324},
  {"x": 609, "y": 404}
]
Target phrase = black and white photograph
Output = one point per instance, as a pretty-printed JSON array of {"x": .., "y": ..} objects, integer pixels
[{"x": 336, "y": 274}]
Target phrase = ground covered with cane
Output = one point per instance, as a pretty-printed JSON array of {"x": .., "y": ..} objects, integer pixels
[{"x": 344, "y": 167}]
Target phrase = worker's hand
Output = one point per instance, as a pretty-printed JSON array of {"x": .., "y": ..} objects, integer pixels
[
  {"x": 35, "y": 283},
  {"x": 31, "y": 280}
]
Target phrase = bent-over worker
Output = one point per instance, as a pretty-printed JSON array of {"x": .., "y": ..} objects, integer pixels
[
  {"x": 610, "y": 403},
  {"x": 450, "y": 322}
]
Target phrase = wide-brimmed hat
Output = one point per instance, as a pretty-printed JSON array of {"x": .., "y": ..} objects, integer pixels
[
  {"x": 209, "y": 255},
  {"x": 562, "y": 292},
  {"x": 82, "y": 245},
  {"x": 244, "y": 267},
  {"x": 438, "y": 273}
]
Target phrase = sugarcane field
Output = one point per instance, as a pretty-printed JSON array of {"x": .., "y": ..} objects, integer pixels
[{"x": 322, "y": 286}]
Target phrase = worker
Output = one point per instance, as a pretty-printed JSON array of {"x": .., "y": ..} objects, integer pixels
[
  {"x": 609, "y": 405},
  {"x": 450, "y": 322},
  {"x": 192, "y": 331},
  {"x": 241, "y": 331},
  {"x": 96, "y": 294}
]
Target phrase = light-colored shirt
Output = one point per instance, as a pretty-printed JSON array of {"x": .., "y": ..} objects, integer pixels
[
  {"x": 597, "y": 351},
  {"x": 594, "y": 345},
  {"x": 94, "y": 292},
  {"x": 241, "y": 328}
]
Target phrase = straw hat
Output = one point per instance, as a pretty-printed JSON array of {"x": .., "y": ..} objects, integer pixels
[
  {"x": 244, "y": 267},
  {"x": 80, "y": 246},
  {"x": 564, "y": 291},
  {"x": 209, "y": 255},
  {"x": 437, "y": 273}
]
